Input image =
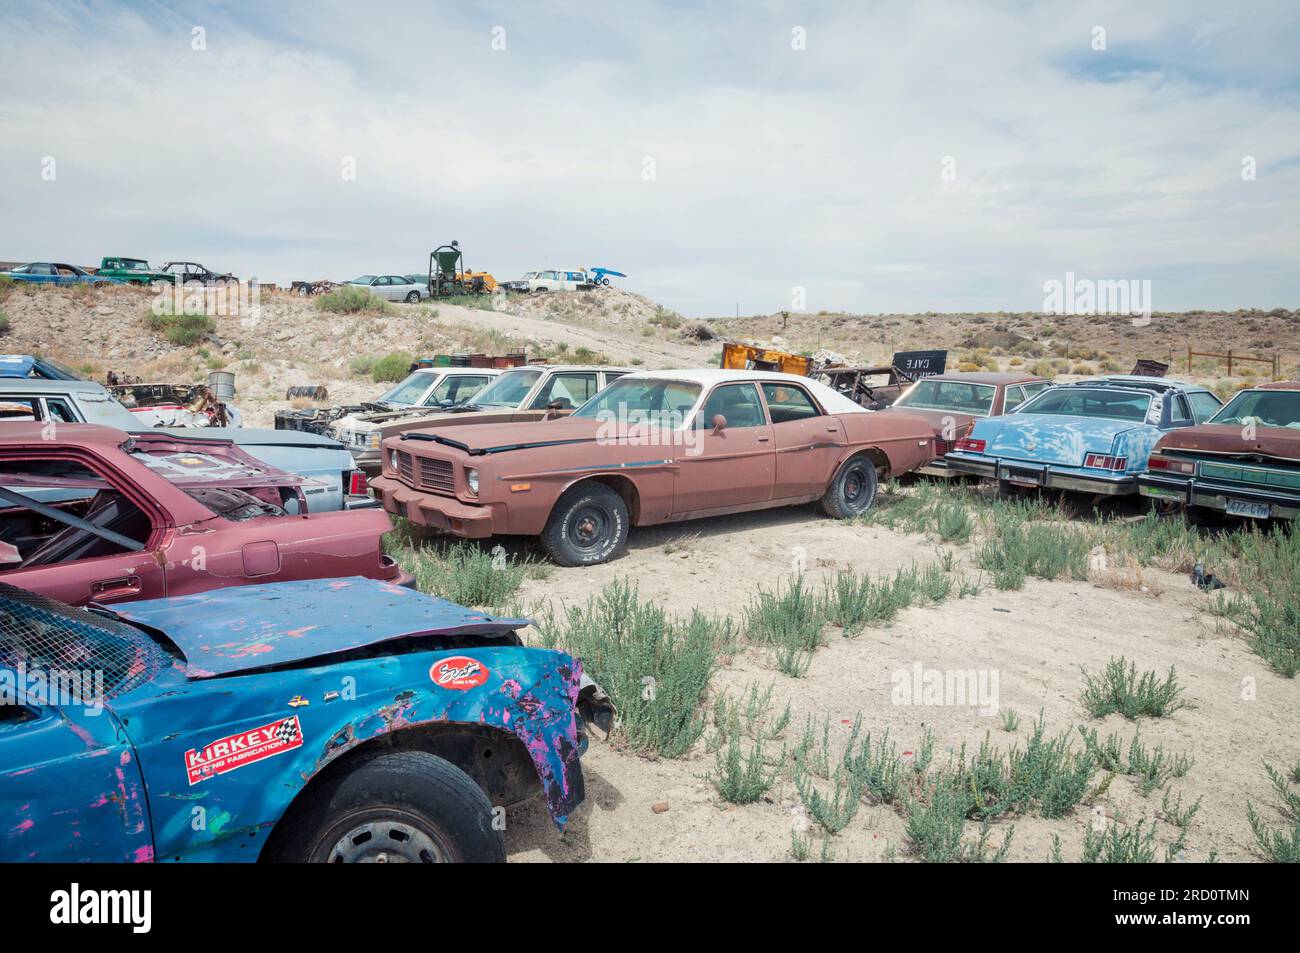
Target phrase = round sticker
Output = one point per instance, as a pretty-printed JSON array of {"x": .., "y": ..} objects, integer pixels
[{"x": 458, "y": 672}]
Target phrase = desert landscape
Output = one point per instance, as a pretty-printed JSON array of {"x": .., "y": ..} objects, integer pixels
[{"x": 830, "y": 690}]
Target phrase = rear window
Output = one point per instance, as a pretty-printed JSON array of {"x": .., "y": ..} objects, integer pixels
[
  {"x": 960, "y": 397},
  {"x": 1098, "y": 402}
]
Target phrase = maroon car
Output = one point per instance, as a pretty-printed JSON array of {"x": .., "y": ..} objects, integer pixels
[
  {"x": 90, "y": 513},
  {"x": 953, "y": 402}
]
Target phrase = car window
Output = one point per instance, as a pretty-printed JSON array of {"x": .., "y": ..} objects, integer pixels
[
  {"x": 411, "y": 388},
  {"x": 1033, "y": 388},
  {"x": 646, "y": 400},
  {"x": 571, "y": 390},
  {"x": 1267, "y": 408},
  {"x": 1116, "y": 404},
  {"x": 19, "y": 409},
  {"x": 1180, "y": 412},
  {"x": 456, "y": 388},
  {"x": 507, "y": 390},
  {"x": 1204, "y": 405},
  {"x": 1012, "y": 398},
  {"x": 56, "y": 408},
  {"x": 116, "y": 525},
  {"x": 737, "y": 402},
  {"x": 786, "y": 403},
  {"x": 962, "y": 397},
  {"x": 611, "y": 376}
]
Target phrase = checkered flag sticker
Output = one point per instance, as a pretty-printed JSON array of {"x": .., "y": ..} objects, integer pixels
[{"x": 287, "y": 731}]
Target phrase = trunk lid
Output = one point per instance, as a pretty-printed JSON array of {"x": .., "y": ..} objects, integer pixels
[{"x": 1049, "y": 438}]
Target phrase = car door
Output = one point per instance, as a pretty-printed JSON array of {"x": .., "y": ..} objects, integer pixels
[
  {"x": 808, "y": 443},
  {"x": 85, "y": 536},
  {"x": 731, "y": 467},
  {"x": 73, "y": 791}
]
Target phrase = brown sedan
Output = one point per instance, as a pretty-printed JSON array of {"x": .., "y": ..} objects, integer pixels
[
  {"x": 953, "y": 402},
  {"x": 653, "y": 447}
]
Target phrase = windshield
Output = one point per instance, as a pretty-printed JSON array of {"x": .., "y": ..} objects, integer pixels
[
  {"x": 643, "y": 399},
  {"x": 1117, "y": 404},
  {"x": 410, "y": 390},
  {"x": 67, "y": 372},
  {"x": 508, "y": 390},
  {"x": 363, "y": 280},
  {"x": 1268, "y": 408},
  {"x": 961, "y": 397}
]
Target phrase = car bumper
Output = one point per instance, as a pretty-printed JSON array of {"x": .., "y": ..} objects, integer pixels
[
  {"x": 939, "y": 468},
  {"x": 1216, "y": 496},
  {"x": 357, "y": 502},
  {"x": 441, "y": 513},
  {"x": 1042, "y": 475}
]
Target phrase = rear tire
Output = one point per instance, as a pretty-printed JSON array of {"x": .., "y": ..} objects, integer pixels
[
  {"x": 589, "y": 525},
  {"x": 852, "y": 490},
  {"x": 395, "y": 807}
]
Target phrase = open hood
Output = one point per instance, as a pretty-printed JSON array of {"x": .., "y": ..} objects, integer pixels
[{"x": 297, "y": 622}]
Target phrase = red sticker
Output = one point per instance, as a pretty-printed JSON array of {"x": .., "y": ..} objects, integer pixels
[
  {"x": 247, "y": 747},
  {"x": 459, "y": 672}
]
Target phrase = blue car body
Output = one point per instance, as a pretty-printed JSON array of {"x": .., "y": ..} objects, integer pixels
[
  {"x": 56, "y": 273},
  {"x": 1074, "y": 451},
  {"x": 225, "y": 706}
]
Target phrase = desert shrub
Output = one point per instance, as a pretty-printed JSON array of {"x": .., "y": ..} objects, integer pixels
[
  {"x": 1117, "y": 846},
  {"x": 1272, "y": 598},
  {"x": 936, "y": 826},
  {"x": 699, "y": 331},
  {"x": 1017, "y": 549},
  {"x": 1150, "y": 768},
  {"x": 790, "y": 623},
  {"x": 391, "y": 367},
  {"x": 1278, "y": 846},
  {"x": 740, "y": 776},
  {"x": 665, "y": 319},
  {"x": 182, "y": 330},
  {"x": 1120, "y": 689},
  {"x": 362, "y": 365},
  {"x": 654, "y": 667},
  {"x": 4, "y": 323},
  {"x": 352, "y": 299}
]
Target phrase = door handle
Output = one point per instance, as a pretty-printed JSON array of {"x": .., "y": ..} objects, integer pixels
[
  {"x": 117, "y": 588},
  {"x": 762, "y": 439}
]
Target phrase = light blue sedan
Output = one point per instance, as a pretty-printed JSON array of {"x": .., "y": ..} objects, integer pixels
[{"x": 1092, "y": 436}]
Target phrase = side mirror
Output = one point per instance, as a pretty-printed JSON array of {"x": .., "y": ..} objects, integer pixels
[
  {"x": 719, "y": 423},
  {"x": 557, "y": 404}
]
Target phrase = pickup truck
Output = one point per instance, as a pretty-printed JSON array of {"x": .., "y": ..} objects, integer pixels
[
  {"x": 334, "y": 481},
  {"x": 134, "y": 271}
]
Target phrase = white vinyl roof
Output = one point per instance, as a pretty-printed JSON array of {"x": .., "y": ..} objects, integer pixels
[{"x": 830, "y": 399}]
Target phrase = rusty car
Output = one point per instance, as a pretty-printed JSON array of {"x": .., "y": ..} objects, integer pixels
[
  {"x": 90, "y": 513},
  {"x": 953, "y": 402},
  {"x": 330, "y": 721},
  {"x": 1244, "y": 461},
  {"x": 653, "y": 447}
]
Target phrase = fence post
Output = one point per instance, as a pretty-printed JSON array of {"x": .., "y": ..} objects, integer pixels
[{"x": 1229, "y": 362}]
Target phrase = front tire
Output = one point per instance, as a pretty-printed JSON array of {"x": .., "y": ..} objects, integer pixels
[
  {"x": 853, "y": 489},
  {"x": 589, "y": 525},
  {"x": 413, "y": 298},
  {"x": 396, "y": 807}
]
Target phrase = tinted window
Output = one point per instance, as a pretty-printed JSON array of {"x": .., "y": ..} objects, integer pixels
[
  {"x": 737, "y": 402},
  {"x": 785, "y": 403}
]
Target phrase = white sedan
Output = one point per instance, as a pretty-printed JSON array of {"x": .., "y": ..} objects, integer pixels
[{"x": 393, "y": 287}]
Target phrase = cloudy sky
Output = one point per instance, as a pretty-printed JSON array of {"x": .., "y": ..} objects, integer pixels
[{"x": 911, "y": 156}]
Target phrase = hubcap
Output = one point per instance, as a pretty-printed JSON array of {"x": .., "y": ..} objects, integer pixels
[
  {"x": 855, "y": 486},
  {"x": 386, "y": 842},
  {"x": 590, "y": 527}
]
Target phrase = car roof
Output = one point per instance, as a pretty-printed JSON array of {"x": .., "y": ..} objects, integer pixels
[
  {"x": 1137, "y": 380},
  {"x": 570, "y": 367},
  {"x": 1277, "y": 385},
  {"x": 40, "y": 385},
  {"x": 831, "y": 399},
  {"x": 67, "y": 433},
  {"x": 986, "y": 377},
  {"x": 459, "y": 370}
]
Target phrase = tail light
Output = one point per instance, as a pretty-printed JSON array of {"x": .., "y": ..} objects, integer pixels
[
  {"x": 1170, "y": 465},
  {"x": 1104, "y": 462},
  {"x": 941, "y": 446},
  {"x": 358, "y": 485},
  {"x": 970, "y": 445}
]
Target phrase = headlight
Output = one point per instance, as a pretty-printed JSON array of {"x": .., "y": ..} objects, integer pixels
[
  {"x": 373, "y": 440},
  {"x": 471, "y": 480},
  {"x": 392, "y": 460}
]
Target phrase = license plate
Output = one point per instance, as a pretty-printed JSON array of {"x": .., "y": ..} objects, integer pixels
[{"x": 1259, "y": 511}]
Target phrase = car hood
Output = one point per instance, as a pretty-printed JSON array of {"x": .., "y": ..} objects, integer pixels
[
  {"x": 243, "y": 628},
  {"x": 482, "y": 439},
  {"x": 1051, "y": 438},
  {"x": 252, "y": 436},
  {"x": 1228, "y": 439}
]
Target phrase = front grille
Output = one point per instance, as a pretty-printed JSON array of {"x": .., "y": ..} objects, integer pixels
[
  {"x": 405, "y": 468},
  {"x": 436, "y": 475}
]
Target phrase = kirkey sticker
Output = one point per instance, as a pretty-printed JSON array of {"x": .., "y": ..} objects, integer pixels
[
  {"x": 247, "y": 747},
  {"x": 458, "y": 672}
]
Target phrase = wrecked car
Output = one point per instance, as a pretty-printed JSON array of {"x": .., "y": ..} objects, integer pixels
[
  {"x": 174, "y": 405},
  {"x": 332, "y": 721},
  {"x": 190, "y": 271},
  {"x": 1091, "y": 436},
  {"x": 132, "y": 271},
  {"x": 357, "y": 426},
  {"x": 90, "y": 513},
  {"x": 1244, "y": 461},
  {"x": 653, "y": 447},
  {"x": 334, "y": 482},
  {"x": 56, "y": 273},
  {"x": 953, "y": 402},
  {"x": 530, "y": 393}
]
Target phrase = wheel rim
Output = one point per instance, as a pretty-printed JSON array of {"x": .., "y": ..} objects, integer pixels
[
  {"x": 590, "y": 526},
  {"x": 387, "y": 842},
  {"x": 856, "y": 486}
]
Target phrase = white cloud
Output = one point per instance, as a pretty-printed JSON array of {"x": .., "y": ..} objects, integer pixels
[{"x": 775, "y": 168}]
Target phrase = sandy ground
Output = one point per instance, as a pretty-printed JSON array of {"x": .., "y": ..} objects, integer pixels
[{"x": 1035, "y": 639}]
